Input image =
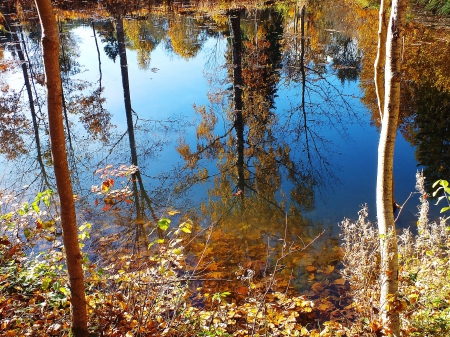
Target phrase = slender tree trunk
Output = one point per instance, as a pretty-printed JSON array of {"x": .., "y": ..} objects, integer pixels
[
  {"x": 385, "y": 199},
  {"x": 50, "y": 46}
]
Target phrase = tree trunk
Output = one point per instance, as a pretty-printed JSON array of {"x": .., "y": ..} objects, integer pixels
[
  {"x": 50, "y": 47},
  {"x": 385, "y": 212}
]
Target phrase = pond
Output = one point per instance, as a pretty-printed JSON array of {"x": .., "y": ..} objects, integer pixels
[{"x": 257, "y": 123}]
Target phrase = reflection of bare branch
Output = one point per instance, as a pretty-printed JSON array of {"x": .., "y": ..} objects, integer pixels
[
  {"x": 105, "y": 159},
  {"x": 213, "y": 142},
  {"x": 98, "y": 56}
]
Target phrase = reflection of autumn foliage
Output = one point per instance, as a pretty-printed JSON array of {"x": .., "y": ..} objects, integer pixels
[
  {"x": 426, "y": 56},
  {"x": 96, "y": 119},
  {"x": 13, "y": 126},
  {"x": 144, "y": 36},
  {"x": 185, "y": 35}
]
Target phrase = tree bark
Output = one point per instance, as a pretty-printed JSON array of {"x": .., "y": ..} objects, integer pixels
[
  {"x": 50, "y": 46},
  {"x": 385, "y": 213}
]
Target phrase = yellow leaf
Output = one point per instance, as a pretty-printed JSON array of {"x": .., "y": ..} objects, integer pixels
[{"x": 339, "y": 281}]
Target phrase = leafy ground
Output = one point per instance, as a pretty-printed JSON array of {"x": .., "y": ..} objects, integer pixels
[
  {"x": 153, "y": 295},
  {"x": 159, "y": 293}
]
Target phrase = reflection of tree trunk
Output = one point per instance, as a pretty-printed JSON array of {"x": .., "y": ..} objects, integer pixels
[
  {"x": 381, "y": 54},
  {"x": 303, "y": 72},
  {"x": 126, "y": 86},
  {"x": 236, "y": 42},
  {"x": 385, "y": 199},
  {"x": 66, "y": 118},
  {"x": 130, "y": 127},
  {"x": 98, "y": 56},
  {"x": 50, "y": 47},
  {"x": 26, "y": 78}
]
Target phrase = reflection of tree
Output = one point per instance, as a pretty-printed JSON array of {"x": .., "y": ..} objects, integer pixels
[
  {"x": 424, "y": 95},
  {"x": 185, "y": 35},
  {"x": 425, "y": 118},
  {"x": 238, "y": 123},
  {"x": 346, "y": 57},
  {"x": 141, "y": 199},
  {"x": 319, "y": 102},
  {"x": 430, "y": 131},
  {"x": 77, "y": 99},
  {"x": 12, "y": 144},
  {"x": 144, "y": 36},
  {"x": 255, "y": 163}
]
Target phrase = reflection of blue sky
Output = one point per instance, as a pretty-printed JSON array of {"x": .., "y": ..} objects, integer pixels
[
  {"x": 169, "y": 90},
  {"x": 177, "y": 84},
  {"x": 353, "y": 158}
]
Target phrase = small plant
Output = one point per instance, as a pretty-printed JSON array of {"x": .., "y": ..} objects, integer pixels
[{"x": 444, "y": 187}]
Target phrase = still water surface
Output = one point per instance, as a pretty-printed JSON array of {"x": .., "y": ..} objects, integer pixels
[{"x": 238, "y": 120}]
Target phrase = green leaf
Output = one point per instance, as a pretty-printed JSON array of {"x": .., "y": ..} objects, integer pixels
[
  {"x": 443, "y": 183},
  {"x": 445, "y": 209},
  {"x": 64, "y": 290},
  {"x": 177, "y": 251},
  {"x": 436, "y": 183},
  {"x": 27, "y": 233},
  {"x": 35, "y": 207},
  {"x": 164, "y": 223},
  {"x": 24, "y": 210},
  {"x": 160, "y": 241},
  {"x": 46, "y": 282},
  {"x": 186, "y": 226},
  {"x": 49, "y": 224}
]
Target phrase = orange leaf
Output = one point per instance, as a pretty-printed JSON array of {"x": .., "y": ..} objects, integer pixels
[
  {"x": 310, "y": 268},
  {"x": 106, "y": 208},
  {"x": 317, "y": 287},
  {"x": 339, "y": 281},
  {"x": 242, "y": 290}
]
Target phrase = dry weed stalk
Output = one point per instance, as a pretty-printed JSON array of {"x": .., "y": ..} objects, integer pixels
[
  {"x": 424, "y": 280},
  {"x": 361, "y": 261}
]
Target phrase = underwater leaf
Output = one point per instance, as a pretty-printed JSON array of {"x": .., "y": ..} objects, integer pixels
[{"x": 164, "y": 223}]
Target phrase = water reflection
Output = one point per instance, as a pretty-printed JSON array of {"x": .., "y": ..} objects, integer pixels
[{"x": 259, "y": 154}]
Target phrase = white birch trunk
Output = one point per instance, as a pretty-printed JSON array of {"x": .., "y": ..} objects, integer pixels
[{"x": 385, "y": 211}]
